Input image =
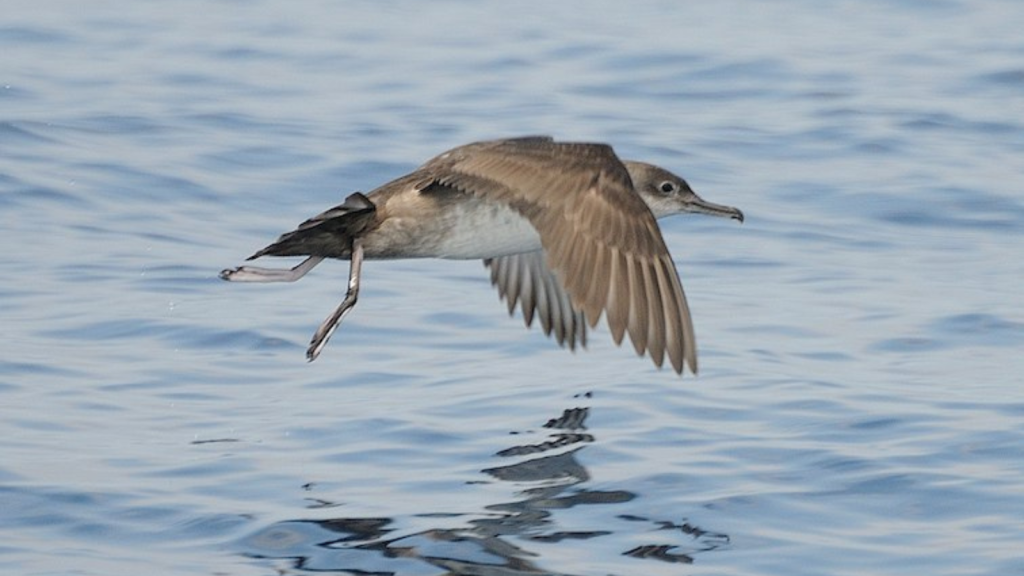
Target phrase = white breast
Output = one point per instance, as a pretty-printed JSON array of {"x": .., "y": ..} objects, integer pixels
[
  {"x": 485, "y": 230},
  {"x": 466, "y": 229}
]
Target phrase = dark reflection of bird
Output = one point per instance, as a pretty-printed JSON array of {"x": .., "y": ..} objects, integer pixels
[
  {"x": 500, "y": 539},
  {"x": 568, "y": 230}
]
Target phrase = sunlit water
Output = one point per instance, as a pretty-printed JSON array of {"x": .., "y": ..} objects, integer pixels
[{"x": 859, "y": 408}]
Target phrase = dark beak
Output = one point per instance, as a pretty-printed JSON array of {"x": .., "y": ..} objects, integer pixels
[{"x": 701, "y": 206}]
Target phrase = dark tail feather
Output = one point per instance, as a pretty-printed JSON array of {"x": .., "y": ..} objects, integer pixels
[{"x": 328, "y": 234}]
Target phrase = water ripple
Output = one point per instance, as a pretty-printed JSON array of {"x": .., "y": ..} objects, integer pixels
[{"x": 858, "y": 409}]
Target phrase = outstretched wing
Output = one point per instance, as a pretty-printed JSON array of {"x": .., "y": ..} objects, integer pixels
[{"x": 599, "y": 237}]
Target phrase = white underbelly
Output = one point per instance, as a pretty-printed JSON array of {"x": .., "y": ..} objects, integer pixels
[{"x": 486, "y": 231}]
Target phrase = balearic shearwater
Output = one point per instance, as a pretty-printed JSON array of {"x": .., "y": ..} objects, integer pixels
[{"x": 568, "y": 230}]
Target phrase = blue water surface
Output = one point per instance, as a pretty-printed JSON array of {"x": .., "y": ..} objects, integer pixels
[{"x": 859, "y": 408}]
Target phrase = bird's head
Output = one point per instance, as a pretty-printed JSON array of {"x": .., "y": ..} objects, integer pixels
[{"x": 667, "y": 194}]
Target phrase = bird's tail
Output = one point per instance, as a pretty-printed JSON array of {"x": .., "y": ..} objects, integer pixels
[{"x": 329, "y": 234}]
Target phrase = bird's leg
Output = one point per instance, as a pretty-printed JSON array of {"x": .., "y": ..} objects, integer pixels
[
  {"x": 323, "y": 333},
  {"x": 254, "y": 274}
]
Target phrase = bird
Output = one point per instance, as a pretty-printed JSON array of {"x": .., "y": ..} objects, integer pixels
[{"x": 568, "y": 231}]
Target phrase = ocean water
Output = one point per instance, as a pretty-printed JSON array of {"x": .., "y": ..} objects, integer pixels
[{"x": 859, "y": 408}]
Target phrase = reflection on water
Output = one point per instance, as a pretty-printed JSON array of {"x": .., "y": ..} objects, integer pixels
[
  {"x": 494, "y": 542},
  {"x": 859, "y": 409}
]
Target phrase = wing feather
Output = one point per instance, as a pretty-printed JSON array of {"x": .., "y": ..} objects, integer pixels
[
  {"x": 541, "y": 295},
  {"x": 603, "y": 252}
]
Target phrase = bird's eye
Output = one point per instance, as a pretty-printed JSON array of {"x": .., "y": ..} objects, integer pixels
[{"x": 668, "y": 187}]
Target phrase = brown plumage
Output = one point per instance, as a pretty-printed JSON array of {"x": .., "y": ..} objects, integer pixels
[{"x": 568, "y": 230}]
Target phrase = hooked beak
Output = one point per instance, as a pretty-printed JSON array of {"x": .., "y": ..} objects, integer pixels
[{"x": 702, "y": 206}]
